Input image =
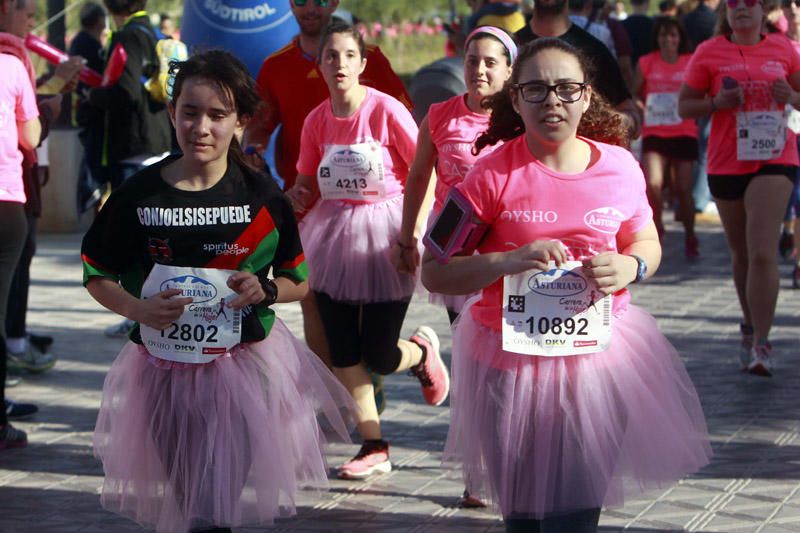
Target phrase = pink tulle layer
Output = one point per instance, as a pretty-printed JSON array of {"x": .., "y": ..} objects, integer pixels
[
  {"x": 226, "y": 443},
  {"x": 540, "y": 436},
  {"x": 347, "y": 250},
  {"x": 450, "y": 301}
]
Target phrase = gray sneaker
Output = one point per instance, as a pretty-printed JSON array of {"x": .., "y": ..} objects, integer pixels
[
  {"x": 121, "y": 330},
  {"x": 31, "y": 360}
]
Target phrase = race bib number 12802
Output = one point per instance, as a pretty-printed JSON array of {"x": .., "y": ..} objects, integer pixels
[
  {"x": 207, "y": 329},
  {"x": 555, "y": 312}
]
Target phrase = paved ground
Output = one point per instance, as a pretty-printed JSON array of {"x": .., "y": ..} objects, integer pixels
[{"x": 752, "y": 484}]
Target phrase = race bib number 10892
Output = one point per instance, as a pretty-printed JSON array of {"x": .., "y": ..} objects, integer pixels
[{"x": 555, "y": 312}]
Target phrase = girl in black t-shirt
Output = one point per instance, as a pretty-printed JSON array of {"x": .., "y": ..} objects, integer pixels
[{"x": 194, "y": 436}]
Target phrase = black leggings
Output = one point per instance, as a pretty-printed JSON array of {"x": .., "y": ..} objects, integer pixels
[
  {"x": 13, "y": 231},
  {"x": 367, "y": 332},
  {"x": 578, "y": 522},
  {"x": 17, "y": 308}
]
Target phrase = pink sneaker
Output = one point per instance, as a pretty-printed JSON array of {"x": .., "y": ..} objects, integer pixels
[
  {"x": 372, "y": 458},
  {"x": 431, "y": 372},
  {"x": 760, "y": 360}
]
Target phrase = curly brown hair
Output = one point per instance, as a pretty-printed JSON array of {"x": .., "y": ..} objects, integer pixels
[{"x": 600, "y": 122}]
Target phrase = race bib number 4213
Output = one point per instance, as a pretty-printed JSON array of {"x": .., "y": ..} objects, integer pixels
[
  {"x": 555, "y": 312},
  {"x": 207, "y": 329},
  {"x": 352, "y": 172}
]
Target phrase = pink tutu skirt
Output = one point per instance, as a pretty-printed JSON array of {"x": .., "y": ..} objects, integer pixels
[
  {"x": 347, "y": 250},
  {"x": 542, "y": 436},
  {"x": 224, "y": 444}
]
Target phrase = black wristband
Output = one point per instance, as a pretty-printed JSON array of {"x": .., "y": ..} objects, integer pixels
[
  {"x": 270, "y": 290},
  {"x": 641, "y": 268}
]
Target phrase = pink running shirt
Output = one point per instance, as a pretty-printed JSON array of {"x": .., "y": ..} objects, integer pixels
[
  {"x": 755, "y": 68},
  {"x": 17, "y": 104},
  {"x": 379, "y": 118},
  {"x": 665, "y": 78},
  {"x": 522, "y": 201},
  {"x": 454, "y": 130}
]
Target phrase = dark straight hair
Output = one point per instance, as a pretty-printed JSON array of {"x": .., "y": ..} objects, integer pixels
[{"x": 233, "y": 79}]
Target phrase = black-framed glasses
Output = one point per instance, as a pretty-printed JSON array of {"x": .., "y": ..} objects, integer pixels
[
  {"x": 320, "y": 3},
  {"x": 535, "y": 92}
]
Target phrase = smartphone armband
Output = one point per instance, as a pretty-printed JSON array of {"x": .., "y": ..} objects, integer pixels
[{"x": 454, "y": 230}]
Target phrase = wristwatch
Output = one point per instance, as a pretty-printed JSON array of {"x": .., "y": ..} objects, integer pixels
[
  {"x": 270, "y": 289},
  {"x": 641, "y": 269}
]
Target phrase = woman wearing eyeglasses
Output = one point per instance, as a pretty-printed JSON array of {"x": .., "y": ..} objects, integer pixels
[
  {"x": 744, "y": 80},
  {"x": 563, "y": 396},
  {"x": 668, "y": 142}
]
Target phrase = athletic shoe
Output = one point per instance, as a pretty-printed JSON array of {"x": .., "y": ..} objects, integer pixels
[
  {"x": 796, "y": 277},
  {"x": 746, "y": 346},
  {"x": 431, "y": 371},
  {"x": 121, "y": 330},
  {"x": 786, "y": 245},
  {"x": 691, "y": 247},
  {"x": 468, "y": 501},
  {"x": 380, "y": 396},
  {"x": 11, "y": 437},
  {"x": 372, "y": 458},
  {"x": 32, "y": 359},
  {"x": 20, "y": 411},
  {"x": 12, "y": 381},
  {"x": 760, "y": 360}
]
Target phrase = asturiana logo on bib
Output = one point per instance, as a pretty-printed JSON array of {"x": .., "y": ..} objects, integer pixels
[
  {"x": 557, "y": 283},
  {"x": 191, "y": 286},
  {"x": 604, "y": 219},
  {"x": 348, "y": 159}
]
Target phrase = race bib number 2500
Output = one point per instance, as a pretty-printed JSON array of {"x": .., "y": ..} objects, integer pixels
[{"x": 555, "y": 312}]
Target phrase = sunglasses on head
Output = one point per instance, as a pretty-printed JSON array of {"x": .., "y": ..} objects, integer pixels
[
  {"x": 748, "y": 3},
  {"x": 320, "y": 3}
]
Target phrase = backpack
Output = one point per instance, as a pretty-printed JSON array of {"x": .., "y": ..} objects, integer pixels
[{"x": 155, "y": 78}]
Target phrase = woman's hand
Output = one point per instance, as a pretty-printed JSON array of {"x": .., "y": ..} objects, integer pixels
[
  {"x": 534, "y": 255},
  {"x": 782, "y": 92},
  {"x": 248, "y": 288},
  {"x": 160, "y": 310},
  {"x": 301, "y": 198},
  {"x": 611, "y": 271},
  {"x": 405, "y": 258},
  {"x": 728, "y": 98}
]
